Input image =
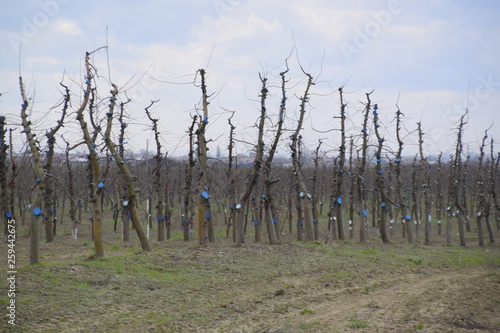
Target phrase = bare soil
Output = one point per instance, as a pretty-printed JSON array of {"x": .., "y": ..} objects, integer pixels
[{"x": 341, "y": 286}]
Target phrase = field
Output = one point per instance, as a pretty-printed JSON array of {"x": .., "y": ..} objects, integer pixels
[{"x": 340, "y": 286}]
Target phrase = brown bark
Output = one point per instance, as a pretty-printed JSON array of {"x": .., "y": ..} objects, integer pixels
[
  {"x": 272, "y": 222},
  {"x": 49, "y": 198},
  {"x": 457, "y": 182},
  {"x": 384, "y": 200},
  {"x": 305, "y": 197},
  {"x": 93, "y": 160},
  {"x": 132, "y": 193},
  {"x": 36, "y": 203},
  {"x": 315, "y": 193},
  {"x": 362, "y": 211},
  {"x": 231, "y": 193},
  {"x": 440, "y": 199},
  {"x": 205, "y": 222},
  {"x": 493, "y": 194},
  {"x": 483, "y": 208},
  {"x": 339, "y": 195},
  {"x": 157, "y": 183},
  {"x": 254, "y": 173},
  {"x": 71, "y": 196},
  {"x": 425, "y": 185},
  {"x": 186, "y": 219}
]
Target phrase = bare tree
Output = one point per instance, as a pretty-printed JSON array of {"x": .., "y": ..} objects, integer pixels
[
  {"x": 464, "y": 191},
  {"x": 361, "y": 171},
  {"x": 315, "y": 192},
  {"x": 305, "y": 197},
  {"x": 231, "y": 193},
  {"x": 122, "y": 189},
  {"x": 71, "y": 195},
  {"x": 157, "y": 171},
  {"x": 415, "y": 197},
  {"x": 456, "y": 181},
  {"x": 439, "y": 193},
  {"x": 205, "y": 224},
  {"x": 425, "y": 185},
  {"x": 257, "y": 216},
  {"x": 95, "y": 181},
  {"x": 50, "y": 223},
  {"x": 384, "y": 200},
  {"x": 339, "y": 173},
  {"x": 449, "y": 202},
  {"x": 493, "y": 194},
  {"x": 352, "y": 189},
  {"x": 132, "y": 193},
  {"x": 483, "y": 208},
  {"x": 390, "y": 188},
  {"x": 256, "y": 169},
  {"x": 272, "y": 221},
  {"x": 186, "y": 216},
  {"x": 168, "y": 199},
  {"x": 37, "y": 201}
]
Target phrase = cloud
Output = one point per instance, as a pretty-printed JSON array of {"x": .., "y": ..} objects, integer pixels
[
  {"x": 44, "y": 61},
  {"x": 230, "y": 29},
  {"x": 67, "y": 27},
  {"x": 430, "y": 51},
  {"x": 330, "y": 23}
]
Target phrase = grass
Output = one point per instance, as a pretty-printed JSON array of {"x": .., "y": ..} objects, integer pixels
[
  {"x": 356, "y": 322},
  {"x": 345, "y": 274},
  {"x": 399, "y": 256},
  {"x": 416, "y": 261},
  {"x": 48, "y": 277},
  {"x": 113, "y": 248},
  {"x": 180, "y": 284},
  {"x": 306, "y": 312},
  {"x": 309, "y": 326}
]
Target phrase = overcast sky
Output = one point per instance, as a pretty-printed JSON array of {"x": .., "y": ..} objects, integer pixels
[{"x": 435, "y": 58}]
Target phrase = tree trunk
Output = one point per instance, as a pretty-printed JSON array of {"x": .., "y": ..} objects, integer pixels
[
  {"x": 94, "y": 167},
  {"x": 71, "y": 196},
  {"x": 132, "y": 193},
  {"x": 492, "y": 194},
  {"x": 271, "y": 222},
  {"x": 415, "y": 197},
  {"x": 425, "y": 187},
  {"x": 457, "y": 182},
  {"x": 255, "y": 173},
  {"x": 186, "y": 220},
  {"x": 157, "y": 183},
  {"x": 205, "y": 227},
  {"x": 305, "y": 197},
  {"x": 36, "y": 203},
  {"x": 440, "y": 200},
  {"x": 49, "y": 198},
  {"x": 362, "y": 211},
  {"x": 380, "y": 180}
]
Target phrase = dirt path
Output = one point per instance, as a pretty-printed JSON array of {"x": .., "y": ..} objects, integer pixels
[{"x": 436, "y": 302}]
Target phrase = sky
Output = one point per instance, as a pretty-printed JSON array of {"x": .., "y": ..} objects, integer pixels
[{"x": 434, "y": 59}]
